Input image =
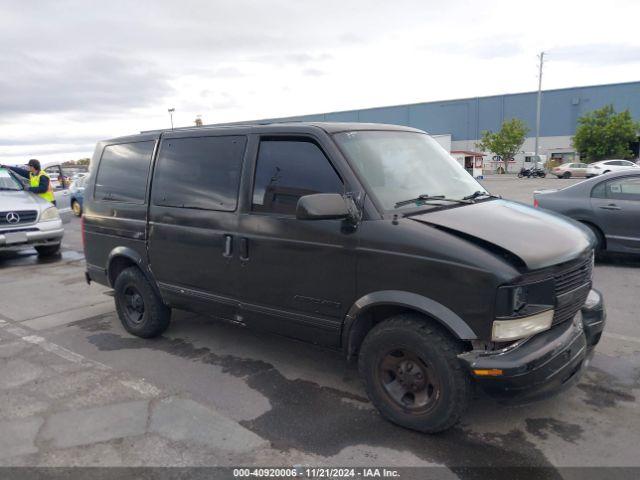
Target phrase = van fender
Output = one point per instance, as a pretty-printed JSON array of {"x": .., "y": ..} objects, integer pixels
[
  {"x": 136, "y": 258},
  {"x": 447, "y": 318}
]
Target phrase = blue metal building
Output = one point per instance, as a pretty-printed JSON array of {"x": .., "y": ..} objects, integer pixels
[{"x": 464, "y": 119}]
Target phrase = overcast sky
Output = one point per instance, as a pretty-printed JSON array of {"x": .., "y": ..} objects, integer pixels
[{"x": 75, "y": 72}]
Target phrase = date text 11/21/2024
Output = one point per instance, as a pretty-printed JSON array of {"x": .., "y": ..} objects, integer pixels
[{"x": 316, "y": 472}]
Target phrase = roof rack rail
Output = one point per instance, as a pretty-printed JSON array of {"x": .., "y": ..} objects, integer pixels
[{"x": 229, "y": 124}]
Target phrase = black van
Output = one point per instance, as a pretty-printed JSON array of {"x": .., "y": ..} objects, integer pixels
[{"x": 361, "y": 237}]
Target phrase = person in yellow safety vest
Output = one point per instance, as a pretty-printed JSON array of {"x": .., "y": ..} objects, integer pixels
[{"x": 39, "y": 181}]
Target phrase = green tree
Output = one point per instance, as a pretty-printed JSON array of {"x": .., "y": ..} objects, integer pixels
[
  {"x": 603, "y": 134},
  {"x": 506, "y": 142},
  {"x": 81, "y": 161}
]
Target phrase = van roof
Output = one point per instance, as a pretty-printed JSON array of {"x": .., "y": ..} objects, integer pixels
[{"x": 294, "y": 127}]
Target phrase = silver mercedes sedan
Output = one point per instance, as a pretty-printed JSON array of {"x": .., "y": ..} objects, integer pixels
[{"x": 608, "y": 204}]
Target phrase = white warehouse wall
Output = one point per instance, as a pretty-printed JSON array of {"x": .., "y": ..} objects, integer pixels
[{"x": 547, "y": 146}]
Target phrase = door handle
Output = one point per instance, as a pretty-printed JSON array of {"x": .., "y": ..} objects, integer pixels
[
  {"x": 244, "y": 249},
  {"x": 228, "y": 246},
  {"x": 611, "y": 206}
]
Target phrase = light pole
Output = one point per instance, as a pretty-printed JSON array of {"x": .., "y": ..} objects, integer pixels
[
  {"x": 171, "y": 110},
  {"x": 539, "y": 104}
]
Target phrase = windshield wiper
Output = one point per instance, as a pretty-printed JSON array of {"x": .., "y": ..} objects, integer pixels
[
  {"x": 426, "y": 198},
  {"x": 4, "y": 189},
  {"x": 478, "y": 193}
]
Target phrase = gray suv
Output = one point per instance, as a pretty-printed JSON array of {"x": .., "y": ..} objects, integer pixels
[{"x": 27, "y": 220}]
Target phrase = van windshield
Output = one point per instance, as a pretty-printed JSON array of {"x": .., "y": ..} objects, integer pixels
[
  {"x": 397, "y": 166},
  {"x": 7, "y": 182}
]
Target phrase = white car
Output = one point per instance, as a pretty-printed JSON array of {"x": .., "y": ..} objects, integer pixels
[{"x": 606, "y": 166}]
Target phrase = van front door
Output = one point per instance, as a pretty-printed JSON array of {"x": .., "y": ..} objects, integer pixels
[
  {"x": 297, "y": 277},
  {"x": 192, "y": 220}
]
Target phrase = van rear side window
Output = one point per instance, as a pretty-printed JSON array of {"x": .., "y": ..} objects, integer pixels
[
  {"x": 199, "y": 172},
  {"x": 123, "y": 172}
]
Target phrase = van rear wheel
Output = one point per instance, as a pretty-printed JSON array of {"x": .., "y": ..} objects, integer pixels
[
  {"x": 412, "y": 374},
  {"x": 139, "y": 308}
]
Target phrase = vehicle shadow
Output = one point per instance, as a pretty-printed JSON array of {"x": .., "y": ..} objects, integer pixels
[
  {"x": 618, "y": 260},
  {"x": 21, "y": 258}
]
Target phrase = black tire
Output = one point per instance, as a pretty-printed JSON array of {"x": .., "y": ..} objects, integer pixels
[
  {"x": 76, "y": 208},
  {"x": 566, "y": 175},
  {"x": 600, "y": 241},
  {"x": 139, "y": 308},
  {"x": 389, "y": 357},
  {"x": 48, "y": 250},
  {"x": 542, "y": 175},
  {"x": 519, "y": 175}
]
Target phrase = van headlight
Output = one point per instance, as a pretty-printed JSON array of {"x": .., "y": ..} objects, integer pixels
[
  {"x": 523, "y": 310},
  {"x": 504, "y": 330},
  {"x": 50, "y": 214}
]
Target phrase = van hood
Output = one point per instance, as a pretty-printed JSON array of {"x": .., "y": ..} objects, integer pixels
[
  {"x": 539, "y": 239},
  {"x": 20, "y": 200}
]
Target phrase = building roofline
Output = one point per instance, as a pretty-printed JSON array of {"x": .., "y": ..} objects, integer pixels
[{"x": 450, "y": 100}]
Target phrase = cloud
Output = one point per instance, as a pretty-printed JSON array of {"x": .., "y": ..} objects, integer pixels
[
  {"x": 91, "y": 83},
  {"x": 73, "y": 69},
  {"x": 63, "y": 139},
  {"x": 313, "y": 72},
  {"x": 486, "y": 48},
  {"x": 596, "y": 54}
]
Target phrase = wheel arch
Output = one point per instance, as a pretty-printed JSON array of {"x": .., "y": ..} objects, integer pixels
[
  {"x": 591, "y": 223},
  {"x": 122, "y": 257},
  {"x": 375, "y": 307}
]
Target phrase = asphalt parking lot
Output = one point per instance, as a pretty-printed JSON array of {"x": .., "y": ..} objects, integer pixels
[{"x": 76, "y": 389}]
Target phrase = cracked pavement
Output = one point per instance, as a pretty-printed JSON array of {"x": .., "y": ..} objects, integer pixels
[{"x": 77, "y": 390}]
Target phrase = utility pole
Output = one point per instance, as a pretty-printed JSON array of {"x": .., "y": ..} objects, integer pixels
[
  {"x": 171, "y": 110},
  {"x": 539, "y": 105}
]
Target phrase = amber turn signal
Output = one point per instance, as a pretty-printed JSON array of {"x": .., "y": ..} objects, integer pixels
[{"x": 493, "y": 372}]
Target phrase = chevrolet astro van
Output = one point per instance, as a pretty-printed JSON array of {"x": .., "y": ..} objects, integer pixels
[{"x": 366, "y": 238}]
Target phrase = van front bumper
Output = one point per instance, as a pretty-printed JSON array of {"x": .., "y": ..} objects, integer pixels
[{"x": 544, "y": 364}]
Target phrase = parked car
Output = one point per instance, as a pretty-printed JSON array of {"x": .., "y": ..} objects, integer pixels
[
  {"x": 60, "y": 190},
  {"x": 609, "y": 206},
  {"x": 367, "y": 238},
  {"x": 26, "y": 220},
  {"x": 76, "y": 194},
  {"x": 606, "y": 166},
  {"x": 571, "y": 169}
]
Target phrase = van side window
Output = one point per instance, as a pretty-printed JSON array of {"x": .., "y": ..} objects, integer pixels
[
  {"x": 123, "y": 171},
  {"x": 287, "y": 170},
  {"x": 199, "y": 172}
]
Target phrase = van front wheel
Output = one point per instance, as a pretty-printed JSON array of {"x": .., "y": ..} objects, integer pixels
[
  {"x": 412, "y": 374},
  {"x": 139, "y": 308}
]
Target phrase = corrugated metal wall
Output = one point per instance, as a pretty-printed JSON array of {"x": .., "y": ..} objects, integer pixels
[{"x": 464, "y": 119}]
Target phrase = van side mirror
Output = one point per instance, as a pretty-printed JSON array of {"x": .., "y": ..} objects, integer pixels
[{"x": 325, "y": 206}]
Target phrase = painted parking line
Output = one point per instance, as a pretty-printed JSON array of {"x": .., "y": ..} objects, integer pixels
[
  {"x": 140, "y": 385},
  {"x": 69, "y": 316}
]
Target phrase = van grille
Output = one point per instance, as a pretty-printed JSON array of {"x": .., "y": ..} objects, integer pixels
[
  {"x": 25, "y": 216},
  {"x": 574, "y": 277},
  {"x": 568, "y": 287}
]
